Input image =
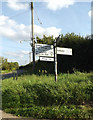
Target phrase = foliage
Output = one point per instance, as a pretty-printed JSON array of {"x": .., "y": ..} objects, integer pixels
[
  {"x": 82, "y": 48},
  {"x": 40, "y": 97},
  {"x": 8, "y": 65},
  {"x": 45, "y": 40}
]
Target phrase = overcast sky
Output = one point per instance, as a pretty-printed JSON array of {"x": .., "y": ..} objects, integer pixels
[{"x": 57, "y": 17}]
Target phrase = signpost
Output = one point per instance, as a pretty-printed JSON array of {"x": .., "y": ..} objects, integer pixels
[
  {"x": 55, "y": 59},
  {"x": 49, "y": 53}
]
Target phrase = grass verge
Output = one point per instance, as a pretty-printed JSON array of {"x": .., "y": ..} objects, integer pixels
[{"x": 41, "y": 97}]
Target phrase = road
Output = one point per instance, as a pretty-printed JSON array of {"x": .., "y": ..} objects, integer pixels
[
  {"x": 2, "y": 77},
  {"x": 6, "y": 115},
  {"x": 9, "y": 75}
]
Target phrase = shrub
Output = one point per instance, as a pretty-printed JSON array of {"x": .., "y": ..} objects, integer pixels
[{"x": 41, "y": 97}]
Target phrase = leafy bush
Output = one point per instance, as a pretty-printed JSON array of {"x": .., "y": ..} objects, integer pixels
[
  {"x": 82, "y": 48},
  {"x": 41, "y": 97}
]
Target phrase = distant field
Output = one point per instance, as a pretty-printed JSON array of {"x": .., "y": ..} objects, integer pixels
[{"x": 41, "y": 97}]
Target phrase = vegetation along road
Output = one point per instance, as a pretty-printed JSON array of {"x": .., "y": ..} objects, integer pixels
[{"x": 40, "y": 97}]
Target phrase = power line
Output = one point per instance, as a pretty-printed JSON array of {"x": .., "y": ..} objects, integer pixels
[
  {"x": 15, "y": 47},
  {"x": 37, "y": 17},
  {"x": 18, "y": 14}
]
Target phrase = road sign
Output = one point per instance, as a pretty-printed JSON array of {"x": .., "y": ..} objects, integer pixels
[
  {"x": 42, "y": 45},
  {"x": 41, "y": 48},
  {"x": 46, "y": 59},
  {"x": 64, "y": 51},
  {"x": 49, "y": 53}
]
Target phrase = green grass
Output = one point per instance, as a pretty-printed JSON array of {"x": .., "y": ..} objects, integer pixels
[
  {"x": 42, "y": 97},
  {"x": 5, "y": 71}
]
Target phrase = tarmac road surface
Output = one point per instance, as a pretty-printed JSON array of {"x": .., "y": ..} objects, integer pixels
[
  {"x": 6, "y": 115},
  {"x": 8, "y": 75}
]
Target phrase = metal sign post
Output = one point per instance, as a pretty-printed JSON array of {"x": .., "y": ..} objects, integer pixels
[
  {"x": 55, "y": 59},
  {"x": 49, "y": 52},
  {"x": 55, "y": 56}
]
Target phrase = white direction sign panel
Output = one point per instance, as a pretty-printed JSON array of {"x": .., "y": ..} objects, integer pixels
[
  {"x": 48, "y": 51},
  {"x": 64, "y": 51},
  {"x": 46, "y": 59},
  {"x": 40, "y": 48},
  {"x": 44, "y": 50}
]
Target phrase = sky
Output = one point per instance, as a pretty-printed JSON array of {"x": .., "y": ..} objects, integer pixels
[{"x": 57, "y": 17}]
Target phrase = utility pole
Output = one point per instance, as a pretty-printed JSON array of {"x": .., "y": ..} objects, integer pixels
[{"x": 32, "y": 39}]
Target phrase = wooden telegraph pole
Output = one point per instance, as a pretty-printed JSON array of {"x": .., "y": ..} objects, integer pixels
[{"x": 32, "y": 39}]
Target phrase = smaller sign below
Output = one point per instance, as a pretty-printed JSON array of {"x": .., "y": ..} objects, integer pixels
[{"x": 46, "y": 59}]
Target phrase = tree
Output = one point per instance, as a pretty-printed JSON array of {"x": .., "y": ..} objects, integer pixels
[
  {"x": 5, "y": 65},
  {"x": 45, "y": 40},
  {"x": 82, "y": 47}
]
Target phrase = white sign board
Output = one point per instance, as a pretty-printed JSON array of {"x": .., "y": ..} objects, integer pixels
[
  {"x": 48, "y": 51},
  {"x": 64, "y": 51},
  {"x": 46, "y": 59},
  {"x": 42, "y": 45},
  {"x": 40, "y": 48}
]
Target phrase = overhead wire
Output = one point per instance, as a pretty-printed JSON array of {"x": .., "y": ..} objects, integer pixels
[
  {"x": 37, "y": 17},
  {"x": 36, "y": 14},
  {"x": 26, "y": 12},
  {"x": 11, "y": 17},
  {"x": 18, "y": 14},
  {"x": 9, "y": 46}
]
